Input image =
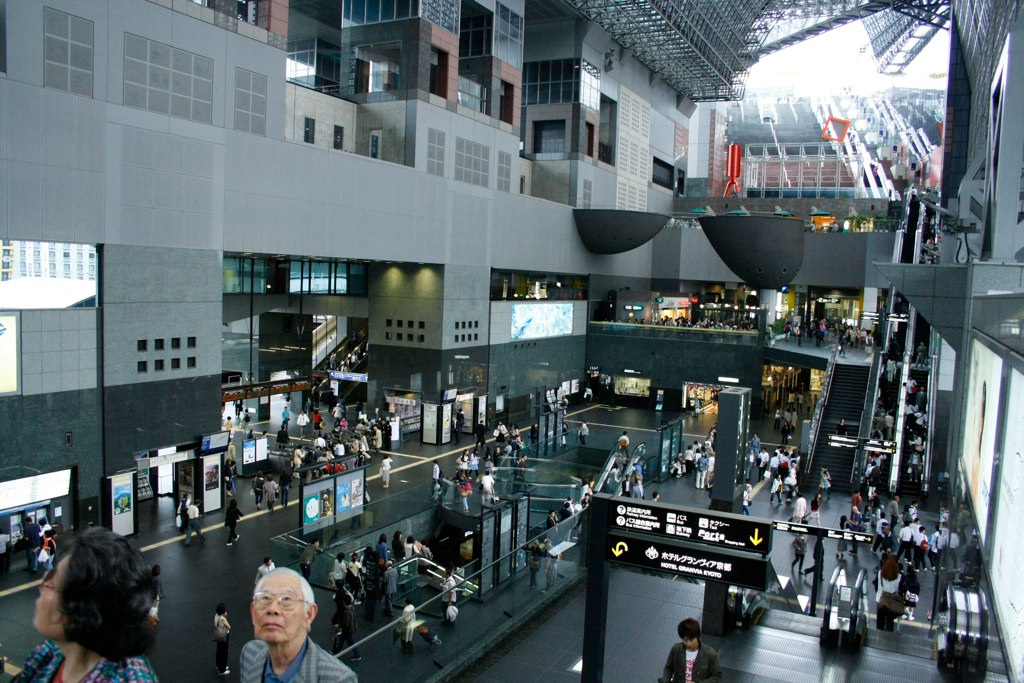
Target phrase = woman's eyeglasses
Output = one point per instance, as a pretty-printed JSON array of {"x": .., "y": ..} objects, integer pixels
[{"x": 48, "y": 581}]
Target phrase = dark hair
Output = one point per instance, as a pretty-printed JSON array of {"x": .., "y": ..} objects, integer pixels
[
  {"x": 156, "y": 570},
  {"x": 106, "y": 596},
  {"x": 383, "y": 538},
  {"x": 689, "y": 629},
  {"x": 221, "y": 609}
]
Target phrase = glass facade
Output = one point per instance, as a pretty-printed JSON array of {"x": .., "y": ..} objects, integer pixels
[
  {"x": 562, "y": 81},
  {"x": 247, "y": 274},
  {"x": 360, "y": 12},
  {"x": 475, "y": 36},
  {"x": 444, "y": 13},
  {"x": 314, "y": 63},
  {"x": 508, "y": 41},
  {"x": 510, "y": 285}
]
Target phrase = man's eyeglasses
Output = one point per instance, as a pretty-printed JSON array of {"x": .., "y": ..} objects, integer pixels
[{"x": 285, "y": 602}]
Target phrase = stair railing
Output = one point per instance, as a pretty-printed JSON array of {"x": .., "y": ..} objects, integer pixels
[
  {"x": 819, "y": 408},
  {"x": 867, "y": 416}
]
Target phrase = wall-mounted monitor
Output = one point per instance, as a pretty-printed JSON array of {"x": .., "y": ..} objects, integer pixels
[
  {"x": 538, "y": 321},
  {"x": 19, "y": 493},
  {"x": 215, "y": 443}
]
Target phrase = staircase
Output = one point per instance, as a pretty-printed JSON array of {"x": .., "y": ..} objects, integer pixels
[{"x": 845, "y": 401}]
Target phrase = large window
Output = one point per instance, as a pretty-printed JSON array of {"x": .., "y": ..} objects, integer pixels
[
  {"x": 444, "y": 13},
  {"x": 67, "y": 52},
  {"x": 245, "y": 274},
  {"x": 508, "y": 41},
  {"x": 475, "y": 36},
  {"x": 662, "y": 173},
  {"x": 549, "y": 137},
  {"x": 562, "y": 81},
  {"x": 472, "y": 95},
  {"x": 377, "y": 68},
  {"x": 47, "y": 275},
  {"x": 167, "y": 80},
  {"x": 359, "y": 12}
]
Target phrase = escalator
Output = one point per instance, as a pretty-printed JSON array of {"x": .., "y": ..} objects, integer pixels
[{"x": 847, "y": 388}]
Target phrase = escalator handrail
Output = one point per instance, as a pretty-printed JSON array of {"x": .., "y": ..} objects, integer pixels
[
  {"x": 819, "y": 409},
  {"x": 829, "y": 594},
  {"x": 859, "y": 587}
]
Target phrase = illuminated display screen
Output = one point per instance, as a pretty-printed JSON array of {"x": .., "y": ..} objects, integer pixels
[
  {"x": 537, "y": 321},
  {"x": 978, "y": 455},
  {"x": 1007, "y": 550},
  {"x": 9, "y": 375},
  {"x": 19, "y": 493}
]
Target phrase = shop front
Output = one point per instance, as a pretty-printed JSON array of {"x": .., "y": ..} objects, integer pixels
[{"x": 701, "y": 398}]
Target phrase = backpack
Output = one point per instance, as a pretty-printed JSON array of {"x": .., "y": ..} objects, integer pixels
[
  {"x": 924, "y": 544},
  {"x": 906, "y": 519}
]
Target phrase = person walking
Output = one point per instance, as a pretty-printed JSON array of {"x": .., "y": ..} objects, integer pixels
[
  {"x": 535, "y": 556},
  {"x": 890, "y": 604},
  {"x": 158, "y": 594},
  {"x": 584, "y": 432},
  {"x": 385, "y": 470},
  {"x": 347, "y": 625},
  {"x": 746, "y": 499},
  {"x": 285, "y": 485},
  {"x": 257, "y": 488},
  {"x": 407, "y": 627},
  {"x": 307, "y": 557},
  {"x": 389, "y": 586},
  {"x": 231, "y": 517},
  {"x": 265, "y": 568},
  {"x": 270, "y": 489},
  {"x": 193, "y": 525},
  {"x": 799, "y": 552},
  {"x": 221, "y": 634},
  {"x": 302, "y": 421}
]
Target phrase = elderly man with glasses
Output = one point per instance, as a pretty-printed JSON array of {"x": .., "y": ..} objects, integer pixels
[{"x": 282, "y": 609}]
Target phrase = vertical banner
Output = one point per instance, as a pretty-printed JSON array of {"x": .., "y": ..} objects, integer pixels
[
  {"x": 122, "y": 503},
  {"x": 10, "y": 353},
  {"x": 211, "y": 483}
]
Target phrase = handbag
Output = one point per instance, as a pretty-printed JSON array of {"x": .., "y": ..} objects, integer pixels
[
  {"x": 892, "y": 602},
  {"x": 177, "y": 521},
  {"x": 43, "y": 555},
  {"x": 220, "y": 633}
]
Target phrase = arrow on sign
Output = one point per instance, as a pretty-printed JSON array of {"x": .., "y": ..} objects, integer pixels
[
  {"x": 756, "y": 538},
  {"x": 619, "y": 548}
]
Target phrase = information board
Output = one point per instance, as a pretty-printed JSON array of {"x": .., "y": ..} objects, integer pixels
[
  {"x": 722, "y": 529},
  {"x": 835, "y": 534},
  {"x": 686, "y": 559}
]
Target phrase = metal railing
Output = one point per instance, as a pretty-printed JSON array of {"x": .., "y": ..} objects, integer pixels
[{"x": 819, "y": 408}]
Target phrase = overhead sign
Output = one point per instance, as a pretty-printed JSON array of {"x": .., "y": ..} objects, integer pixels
[
  {"x": 686, "y": 559},
  {"x": 876, "y": 445},
  {"x": 836, "y": 534},
  {"x": 347, "y": 376},
  {"x": 722, "y": 529},
  {"x": 263, "y": 389}
]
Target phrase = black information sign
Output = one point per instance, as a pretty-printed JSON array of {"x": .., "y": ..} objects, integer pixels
[
  {"x": 835, "y": 534},
  {"x": 721, "y": 529},
  {"x": 687, "y": 559}
]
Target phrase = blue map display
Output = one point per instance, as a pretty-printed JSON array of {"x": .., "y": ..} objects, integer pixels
[{"x": 536, "y": 321}]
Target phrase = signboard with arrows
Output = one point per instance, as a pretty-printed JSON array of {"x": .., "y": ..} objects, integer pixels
[
  {"x": 722, "y": 529},
  {"x": 685, "y": 559}
]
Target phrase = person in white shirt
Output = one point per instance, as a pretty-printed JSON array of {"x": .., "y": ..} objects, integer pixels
[
  {"x": 385, "y": 470},
  {"x": 302, "y": 421},
  {"x": 265, "y": 568},
  {"x": 799, "y": 508},
  {"x": 487, "y": 488}
]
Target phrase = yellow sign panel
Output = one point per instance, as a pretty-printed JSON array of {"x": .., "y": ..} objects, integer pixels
[{"x": 9, "y": 336}]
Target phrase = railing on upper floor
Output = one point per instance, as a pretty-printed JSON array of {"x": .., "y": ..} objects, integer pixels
[
  {"x": 819, "y": 408},
  {"x": 652, "y": 331}
]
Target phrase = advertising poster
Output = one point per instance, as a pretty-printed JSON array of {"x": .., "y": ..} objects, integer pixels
[
  {"x": 248, "y": 452},
  {"x": 212, "y": 482},
  {"x": 310, "y": 508},
  {"x": 978, "y": 453},
  {"x": 1007, "y": 550},
  {"x": 343, "y": 495},
  {"x": 122, "y": 499},
  {"x": 211, "y": 477},
  {"x": 537, "y": 321},
  {"x": 9, "y": 354},
  {"x": 357, "y": 490},
  {"x": 326, "y": 503}
]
